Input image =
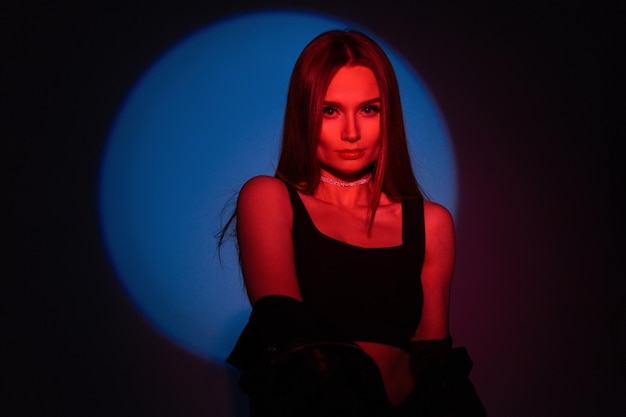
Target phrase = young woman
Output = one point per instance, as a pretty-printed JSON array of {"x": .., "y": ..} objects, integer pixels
[{"x": 347, "y": 266}]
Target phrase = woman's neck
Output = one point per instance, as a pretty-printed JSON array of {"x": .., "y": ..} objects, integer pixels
[
  {"x": 341, "y": 183},
  {"x": 346, "y": 192}
]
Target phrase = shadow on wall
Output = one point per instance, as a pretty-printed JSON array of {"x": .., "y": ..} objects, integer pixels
[{"x": 223, "y": 395}]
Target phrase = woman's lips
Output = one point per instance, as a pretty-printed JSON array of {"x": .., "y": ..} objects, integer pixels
[{"x": 350, "y": 153}]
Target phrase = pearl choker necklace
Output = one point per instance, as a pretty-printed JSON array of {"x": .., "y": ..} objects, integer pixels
[{"x": 361, "y": 181}]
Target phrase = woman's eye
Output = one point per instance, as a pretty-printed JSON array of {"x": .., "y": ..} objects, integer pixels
[
  {"x": 371, "y": 109},
  {"x": 329, "y": 111}
]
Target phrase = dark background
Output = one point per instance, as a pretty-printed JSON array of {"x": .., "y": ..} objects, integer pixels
[{"x": 526, "y": 91}]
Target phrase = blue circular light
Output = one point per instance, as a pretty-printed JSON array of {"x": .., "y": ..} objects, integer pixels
[{"x": 204, "y": 118}]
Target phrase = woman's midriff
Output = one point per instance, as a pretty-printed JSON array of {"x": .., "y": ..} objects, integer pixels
[{"x": 394, "y": 366}]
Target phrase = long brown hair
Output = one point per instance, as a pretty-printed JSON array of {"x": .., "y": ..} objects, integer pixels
[{"x": 317, "y": 64}]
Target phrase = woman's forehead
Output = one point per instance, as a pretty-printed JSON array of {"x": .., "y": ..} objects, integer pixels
[{"x": 353, "y": 81}]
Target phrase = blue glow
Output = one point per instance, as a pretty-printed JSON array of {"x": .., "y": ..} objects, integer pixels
[{"x": 204, "y": 118}]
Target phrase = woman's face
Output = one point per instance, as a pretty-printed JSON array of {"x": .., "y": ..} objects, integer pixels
[{"x": 350, "y": 135}]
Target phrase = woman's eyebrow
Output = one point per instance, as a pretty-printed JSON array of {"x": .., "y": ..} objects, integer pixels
[{"x": 337, "y": 104}]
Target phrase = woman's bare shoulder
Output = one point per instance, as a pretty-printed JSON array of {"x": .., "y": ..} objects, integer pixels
[
  {"x": 263, "y": 184},
  {"x": 263, "y": 188},
  {"x": 440, "y": 234},
  {"x": 264, "y": 193},
  {"x": 436, "y": 216}
]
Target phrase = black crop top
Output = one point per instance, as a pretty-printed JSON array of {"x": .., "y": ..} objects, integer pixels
[{"x": 373, "y": 294}]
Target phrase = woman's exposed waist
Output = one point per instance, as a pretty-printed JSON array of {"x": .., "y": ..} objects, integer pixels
[{"x": 394, "y": 366}]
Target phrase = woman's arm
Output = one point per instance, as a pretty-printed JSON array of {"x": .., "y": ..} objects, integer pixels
[
  {"x": 437, "y": 272},
  {"x": 264, "y": 222},
  {"x": 440, "y": 371}
]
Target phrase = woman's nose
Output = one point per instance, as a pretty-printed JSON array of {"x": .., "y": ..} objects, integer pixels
[{"x": 350, "y": 130}]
